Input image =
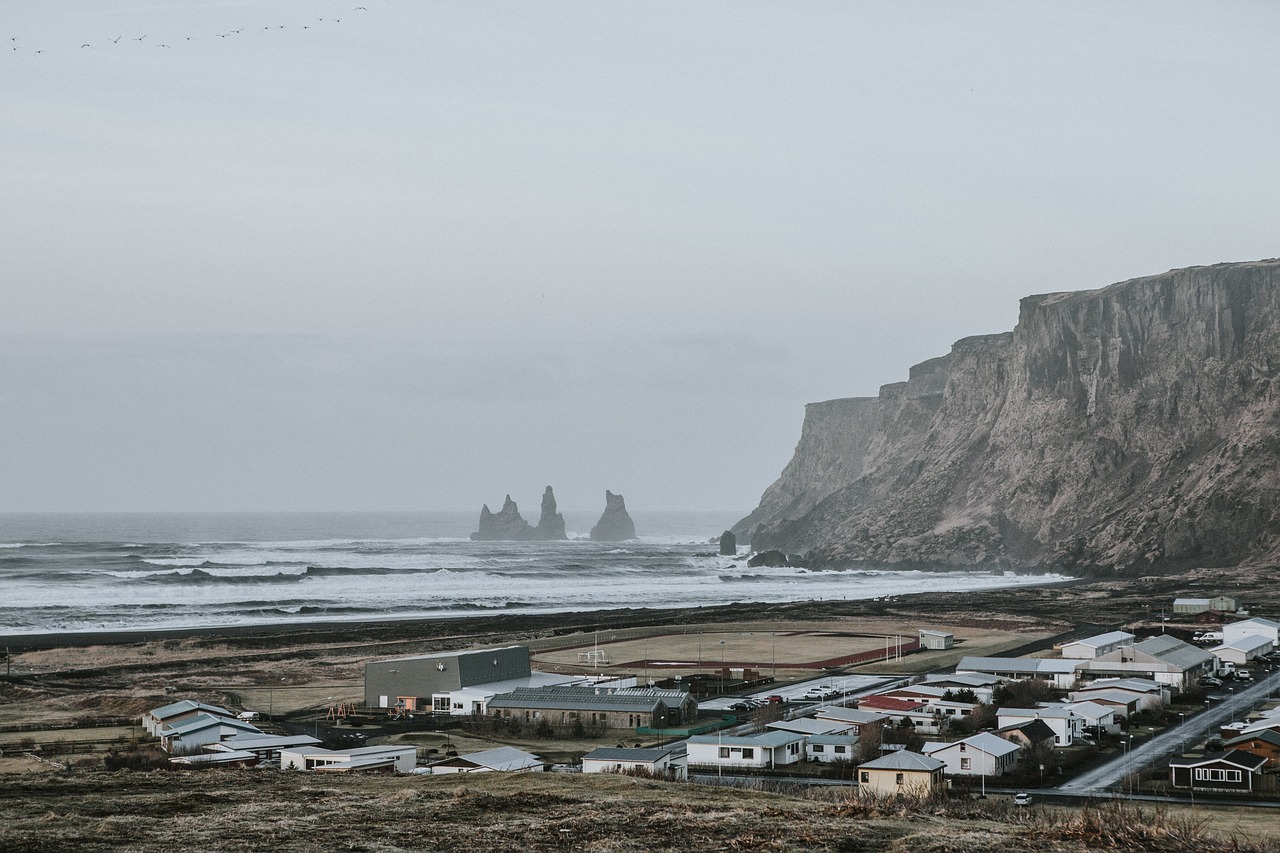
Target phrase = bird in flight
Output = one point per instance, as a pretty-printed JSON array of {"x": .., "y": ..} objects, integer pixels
[
  {"x": 115, "y": 40},
  {"x": 140, "y": 38}
]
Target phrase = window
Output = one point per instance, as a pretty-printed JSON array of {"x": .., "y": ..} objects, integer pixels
[
  {"x": 900, "y": 779},
  {"x": 724, "y": 752},
  {"x": 963, "y": 746},
  {"x": 966, "y": 764},
  {"x": 748, "y": 753},
  {"x": 840, "y": 750},
  {"x": 817, "y": 747},
  {"x": 1208, "y": 774},
  {"x": 864, "y": 777},
  {"x": 440, "y": 703}
]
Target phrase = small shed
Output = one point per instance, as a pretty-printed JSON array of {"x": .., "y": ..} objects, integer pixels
[
  {"x": 1224, "y": 604},
  {"x": 930, "y": 639}
]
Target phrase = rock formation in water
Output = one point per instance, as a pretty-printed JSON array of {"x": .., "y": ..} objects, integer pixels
[
  {"x": 551, "y": 523},
  {"x": 614, "y": 525},
  {"x": 728, "y": 544},
  {"x": 1130, "y": 428},
  {"x": 507, "y": 524}
]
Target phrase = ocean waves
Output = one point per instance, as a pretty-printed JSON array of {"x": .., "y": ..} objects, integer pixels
[{"x": 160, "y": 578}]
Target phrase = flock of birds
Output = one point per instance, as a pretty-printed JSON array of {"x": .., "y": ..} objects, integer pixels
[{"x": 16, "y": 45}]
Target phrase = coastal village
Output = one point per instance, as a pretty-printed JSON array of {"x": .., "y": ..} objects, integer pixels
[{"x": 1182, "y": 708}]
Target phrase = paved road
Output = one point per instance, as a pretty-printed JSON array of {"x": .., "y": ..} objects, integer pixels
[{"x": 1173, "y": 740}]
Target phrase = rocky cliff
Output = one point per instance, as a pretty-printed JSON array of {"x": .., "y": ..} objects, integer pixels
[
  {"x": 550, "y": 523},
  {"x": 615, "y": 525},
  {"x": 1122, "y": 429}
]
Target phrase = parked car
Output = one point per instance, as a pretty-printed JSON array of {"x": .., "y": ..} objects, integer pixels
[
  {"x": 776, "y": 699},
  {"x": 1244, "y": 675},
  {"x": 1210, "y": 682},
  {"x": 1022, "y": 798}
]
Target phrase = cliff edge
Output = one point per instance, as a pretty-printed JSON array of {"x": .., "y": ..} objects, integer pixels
[{"x": 1122, "y": 429}]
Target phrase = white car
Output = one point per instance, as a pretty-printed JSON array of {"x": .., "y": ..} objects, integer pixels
[{"x": 1022, "y": 798}]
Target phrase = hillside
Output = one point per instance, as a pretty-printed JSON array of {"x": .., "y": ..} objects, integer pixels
[{"x": 1130, "y": 428}]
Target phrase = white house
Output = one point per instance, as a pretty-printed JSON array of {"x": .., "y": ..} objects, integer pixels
[
  {"x": 1096, "y": 715},
  {"x": 983, "y": 754},
  {"x": 664, "y": 762},
  {"x": 1243, "y": 649},
  {"x": 1122, "y": 703},
  {"x": 767, "y": 749},
  {"x": 1269, "y": 628},
  {"x": 931, "y": 639},
  {"x": 397, "y": 758},
  {"x": 831, "y": 748},
  {"x": 1100, "y": 644},
  {"x": 852, "y": 716},
  {"x": 980, "y": 684},
  {"x": 1066, "y": 725},
  {"x": 191, "y": 735},
  {"x": 503, "y": 759},
  {"x": 265, "y": 747}
]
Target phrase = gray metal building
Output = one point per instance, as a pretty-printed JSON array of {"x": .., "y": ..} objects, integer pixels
[{"x": 410, "y": 682}]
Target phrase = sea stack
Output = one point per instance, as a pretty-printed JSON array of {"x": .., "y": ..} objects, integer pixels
[
  {"x": 551, "y": 524},
  {"x": 615, "y": 525},
  {"x": 507, "y": 524},
  {"x": 728, "y": 544}
]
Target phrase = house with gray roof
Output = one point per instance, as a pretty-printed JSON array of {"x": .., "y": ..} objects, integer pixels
[
  {"x": 1258, "y": 626},
  {"x": 663, "y": 762},
  {"x": 900, "y": 773},
  {"x": 192, "y": 735},
  {"x": 983, "y": 754},
  {"x": 1099, "y": 644},
  {"x": 767, "y": 749},
  {"x": 1061, "y": 673},
  {"x": 176, "y": 712}
]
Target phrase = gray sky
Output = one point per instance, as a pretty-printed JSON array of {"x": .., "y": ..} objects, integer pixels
[{"x": 438, "y": 252}]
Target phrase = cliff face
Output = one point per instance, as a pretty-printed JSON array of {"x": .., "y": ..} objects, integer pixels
[
  {"x": 615, "y": 524},
  {"x": 1125, "y": 428}
]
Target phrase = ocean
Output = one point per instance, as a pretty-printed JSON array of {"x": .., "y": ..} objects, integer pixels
[{"x": 70, "y": 572}]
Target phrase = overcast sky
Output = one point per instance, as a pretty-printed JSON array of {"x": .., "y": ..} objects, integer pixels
[{"x": 436, "y": 252}]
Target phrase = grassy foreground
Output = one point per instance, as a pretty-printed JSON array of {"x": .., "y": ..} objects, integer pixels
[{"x": 254, "y": 810}]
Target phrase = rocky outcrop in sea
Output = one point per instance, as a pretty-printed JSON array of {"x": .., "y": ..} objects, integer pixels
[
  {"x": 509, "y": 525},
  {"x": 1130, "y": 428},
  {"x": 615, "y": 524}
]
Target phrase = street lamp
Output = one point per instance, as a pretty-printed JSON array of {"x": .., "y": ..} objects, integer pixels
[
  {"x": 722, "y": 672},
  {"x": 1231, "y": 703},
  {"x": 1182, "y": 723}
]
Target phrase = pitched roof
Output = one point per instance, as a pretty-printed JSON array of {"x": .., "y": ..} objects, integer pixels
[
  {"x": 904, "y": 761},
  {"x": 183, "y": 706},
  {"x": 1136, "y": 685},
  {"x": 1033, "y": 730},
  {"x": 834, "y": 739},
  {"x": 1115, "y": 697},
  {"x": 850, "y": 715},
  {"x": 983, "y": 741},
  {"x": 1248, "y": 643},
  {"x": 504, "y": 758},
  {"x": 1173, "y": 651},
  {"x": 1270, "y": 736},
  {"x": 1238, "y": 757},
  {"x": 1107, "y": 639},
  {"x": 1259, "y": 621},
  {"x": 1036, "y": 713},
  {"x": 203, "y": 721},
  {"x": 964, "y": 679}
]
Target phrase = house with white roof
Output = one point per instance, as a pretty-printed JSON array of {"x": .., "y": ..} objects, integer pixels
[
  {"x": 396, "y": 758},
  {"x": 503, "y": 759},
  {"x": 1256, "y": 627},
  {"x": 663, "y": 762},
  {"x": 831, "y": 748},
  {"x": 1100, "y": 644},
  {"x": 1061, "y": 673},
  {"x": 766, "y": 749},
  {"x": 983, "y": 754},
  {"x": 856, "y": 719},
  {"x": 1122, "y": 703},
  {"x": 192, "y": 735},
  {"x": 1151, "y": 695},
  {"x": 176, "y": 712},
  {"x": 1066, "y": 725},
  {"x": 1243, "y": 649},
  {"x": 1191, "y": 606},
  {"x": 810, "y": 726},
  {"x": 1096, "y": 715},
  {"x": 980, "y": 684},
  {"x": 900, "y": 773},
  {"x": 1162, "y": 658},
  {"x": 265, "y": 747}
]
